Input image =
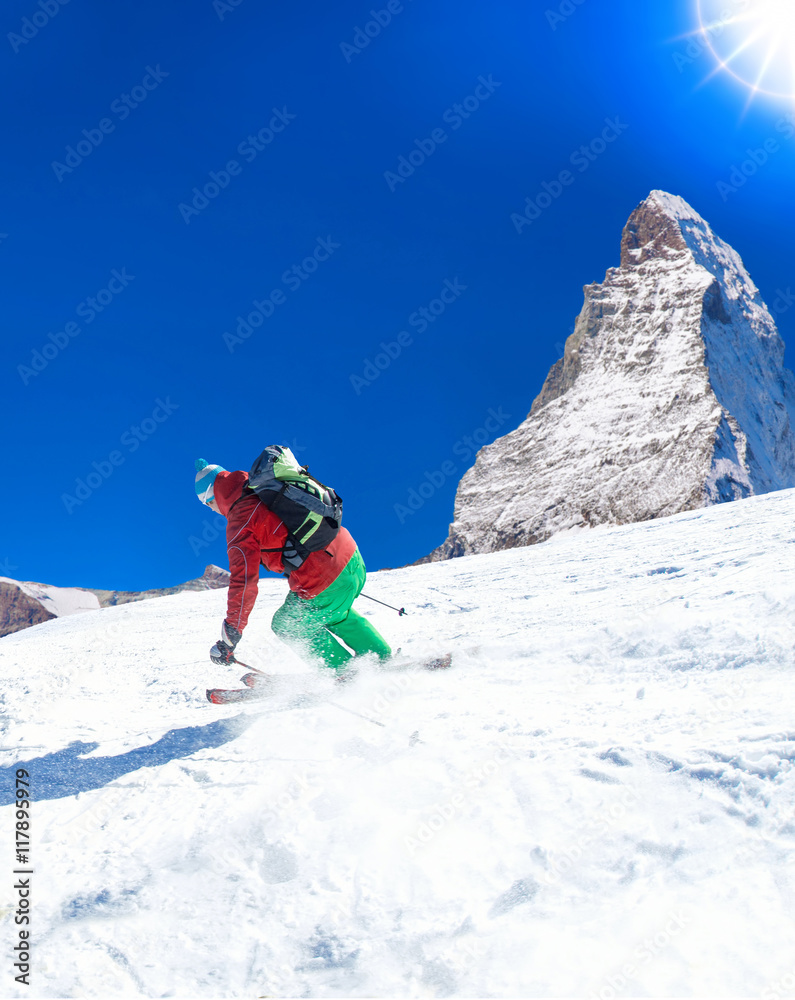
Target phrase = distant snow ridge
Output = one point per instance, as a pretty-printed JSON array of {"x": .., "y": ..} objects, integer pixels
[
  {"x": 671, "y": 395},
  {"x": 23, "y": 604}
]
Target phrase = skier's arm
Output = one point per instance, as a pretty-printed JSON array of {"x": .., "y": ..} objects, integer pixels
[{"x": 243, "y": 550}]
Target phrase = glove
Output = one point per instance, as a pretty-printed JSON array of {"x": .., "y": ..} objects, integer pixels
[{"x": 223, "y": 651}]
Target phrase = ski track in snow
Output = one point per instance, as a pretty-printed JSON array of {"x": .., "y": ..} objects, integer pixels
[{"x": 598, "y": 796}]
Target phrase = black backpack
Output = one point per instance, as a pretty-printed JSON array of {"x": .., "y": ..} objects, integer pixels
[{"x": 311, "y": 511}]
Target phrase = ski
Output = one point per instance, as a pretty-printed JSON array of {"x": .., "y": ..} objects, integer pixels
[
  {"x": 228, "y": 696},
  {"x": 256, "y": 679},
  {"x": 261, "y": 685},
  {"x": 398, "y": 662},
  {"x": 257, "y": 686},
  {"x": 438, "y": 662}
]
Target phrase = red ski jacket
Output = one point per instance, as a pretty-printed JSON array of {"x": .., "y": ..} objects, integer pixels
[{"x": 251, "y": 530}]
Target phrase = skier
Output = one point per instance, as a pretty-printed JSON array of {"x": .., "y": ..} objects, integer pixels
[{"x": 318, "y": 608}]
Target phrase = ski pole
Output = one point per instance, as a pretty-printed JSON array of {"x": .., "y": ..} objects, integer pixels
[
  {"x": 367, "y": 718},
  {"x": 246, "y": 666},
  {"x": 400, "y": 611}
]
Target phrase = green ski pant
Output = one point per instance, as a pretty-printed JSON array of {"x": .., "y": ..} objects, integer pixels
[{"x": 311, "y": 624}]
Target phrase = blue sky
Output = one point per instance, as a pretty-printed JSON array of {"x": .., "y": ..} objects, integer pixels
[{"x": 231, "y": 154}]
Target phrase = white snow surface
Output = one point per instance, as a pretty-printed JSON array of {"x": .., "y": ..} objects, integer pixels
[
  {"x": 597, "y": 799},
  {"x": 57, "y": 600}
]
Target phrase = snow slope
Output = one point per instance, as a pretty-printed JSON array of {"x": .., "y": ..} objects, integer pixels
[{"x": 598, "y": 799}]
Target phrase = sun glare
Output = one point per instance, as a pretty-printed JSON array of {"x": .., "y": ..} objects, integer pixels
[{"x": 754, "y": 40}]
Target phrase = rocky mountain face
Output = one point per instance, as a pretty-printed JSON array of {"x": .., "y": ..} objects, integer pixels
[
  {"x": 19, "y": 610},
  {"x": 671, "y": 395},
  {"x": 213, "y": 578},
  {"x": 24, "y": 604}
]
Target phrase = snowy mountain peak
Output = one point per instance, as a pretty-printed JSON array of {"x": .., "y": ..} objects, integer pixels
[
  {"x": 654, "y": 229},
  {"x": 671, "y": 395},
  {"x": 674, "y": 207},
  {"x": 666, "y": 223}
]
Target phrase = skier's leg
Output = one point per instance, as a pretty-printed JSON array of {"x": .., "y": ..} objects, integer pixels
[
  {"x": 310, "y": 625},
  {"x": 354, "y": 629},
  {"x": 361, "y": 635},
  {"x": 302, "y": 625}
]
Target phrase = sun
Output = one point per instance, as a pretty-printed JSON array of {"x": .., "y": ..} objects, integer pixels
[{"x": 753, "y": 40}]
